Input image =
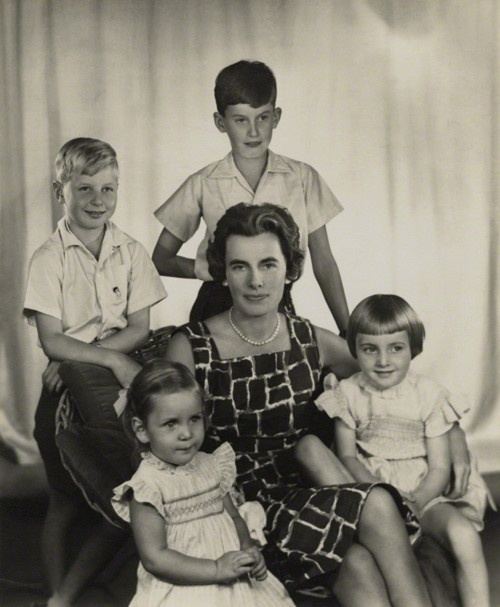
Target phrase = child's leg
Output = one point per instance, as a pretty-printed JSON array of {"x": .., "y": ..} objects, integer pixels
[
  {"x": 320, "y": 464},
  {"x": 359, "y": 582},
  {"x": 61, "y": 514},
  {"x": 446, "y": 523},
  {"x": 65, "y": 499},
  {"x": 102, "y": 543},
  {"x": 382, "y": 531}
]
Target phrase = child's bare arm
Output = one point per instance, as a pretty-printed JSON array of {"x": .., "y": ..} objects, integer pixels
[
  {"x": 166, "y": 260},
  {"x": 58, "y": 346},
  {"x": 259, "y": 569},
  {"x": 328, "y": 276},
  {"x": 345, "y": 440},
  {"x": 438, "y": 475},
  {"x": 460, "y": 461},
  {"x": 173, "y": 566},
  {"x": 132, "y": 336},
  {"x": 241, "y": 527}
]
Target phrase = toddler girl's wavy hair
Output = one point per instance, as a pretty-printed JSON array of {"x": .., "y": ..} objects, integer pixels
[
  {"x": 381, "y": 314},
  {"x": 157, "y": 377},
  {"x": 245, "y": 219}
]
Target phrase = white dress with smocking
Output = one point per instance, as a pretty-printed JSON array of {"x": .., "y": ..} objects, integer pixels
[
  {"x": 391, "y": 427},
  {"x": 190, "y": 500}
]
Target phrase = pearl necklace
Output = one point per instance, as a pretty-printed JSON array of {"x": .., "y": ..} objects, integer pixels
[{"x": 250, "y": 341}]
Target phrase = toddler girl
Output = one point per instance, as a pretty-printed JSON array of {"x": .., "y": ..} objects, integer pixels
[
  {"x": 194, "y": 547},
  {"x": 391, "y": 425}
]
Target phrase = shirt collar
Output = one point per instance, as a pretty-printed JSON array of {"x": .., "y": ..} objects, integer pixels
[
  {"x": 113, "y": 236},
  {"x": 226, "y": 168},
  {"x": 394, "y": 392}
]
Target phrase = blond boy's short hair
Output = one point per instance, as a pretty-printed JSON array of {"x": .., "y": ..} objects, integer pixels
[{"x": 83, "y": 155}]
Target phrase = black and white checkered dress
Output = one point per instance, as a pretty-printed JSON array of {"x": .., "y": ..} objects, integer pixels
[{"x": 262, "y": 405}]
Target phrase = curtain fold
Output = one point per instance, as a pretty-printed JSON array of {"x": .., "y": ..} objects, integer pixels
[{"x": 395, "y": 103}]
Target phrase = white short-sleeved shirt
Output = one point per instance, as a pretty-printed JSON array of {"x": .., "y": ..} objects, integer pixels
[
  {"x": 209, "y": 192},
  {"x": 92, "y": 297}
]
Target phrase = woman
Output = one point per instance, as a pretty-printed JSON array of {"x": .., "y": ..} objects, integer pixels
[{"x": 260, "y": 370}]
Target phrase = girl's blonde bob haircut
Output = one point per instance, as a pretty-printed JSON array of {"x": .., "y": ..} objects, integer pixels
[{"x": 381, "y": 314}]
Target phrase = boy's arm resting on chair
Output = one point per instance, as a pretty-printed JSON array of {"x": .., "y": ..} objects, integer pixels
[{"x": 58, "y": 346}]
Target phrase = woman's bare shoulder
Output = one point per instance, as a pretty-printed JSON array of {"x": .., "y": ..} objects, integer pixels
[{"x": 334, "y": 353}]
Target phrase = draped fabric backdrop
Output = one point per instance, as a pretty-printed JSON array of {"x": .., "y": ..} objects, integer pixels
[{"x": 394, "y": 102}]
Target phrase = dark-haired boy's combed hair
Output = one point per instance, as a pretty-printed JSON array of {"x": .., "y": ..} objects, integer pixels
[
  {"x": 158, "y": 376},
  {"x": 381, "y": 314},
  {"x": 250, "y": 82},
  {"x": 246, "y": 219},
  {"x": 83, "y": 155}
]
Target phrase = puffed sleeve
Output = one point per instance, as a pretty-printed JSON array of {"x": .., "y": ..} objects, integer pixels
[
  {"x": 447, "y": 409},
  {"x": 142, "y": 491},
  {"x": 225, "y": 461},
  {"x": 334, "y": 402}
]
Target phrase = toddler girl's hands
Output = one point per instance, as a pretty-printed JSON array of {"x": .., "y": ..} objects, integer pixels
[
  {"x": 232, "y": 565},
  {"x": 259, "y": 569}
]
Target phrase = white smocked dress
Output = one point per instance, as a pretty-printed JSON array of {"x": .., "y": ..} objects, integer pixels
[
  {"x": 190, "y": 499},
  {"x": 391, "y": 427}
]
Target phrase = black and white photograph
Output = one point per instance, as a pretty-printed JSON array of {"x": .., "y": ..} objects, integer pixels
[{"x": 250, "y": 286}]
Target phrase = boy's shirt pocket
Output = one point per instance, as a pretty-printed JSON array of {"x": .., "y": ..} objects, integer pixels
[{"x": 112, "y": 295}]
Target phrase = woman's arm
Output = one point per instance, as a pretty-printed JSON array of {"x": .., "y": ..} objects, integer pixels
[
  {"x": 335, "y": 354},
  {"x": 327, "y": 275},
  {"x": 179, "y": 350},
  {"x": 174, "y": 567},
  {"x": 438, "y": 475},
  {"x": 166, "y": 260},
  {"x": 345, "y": 440}
]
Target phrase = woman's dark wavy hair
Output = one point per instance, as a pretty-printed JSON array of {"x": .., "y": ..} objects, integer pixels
[
  {"x": 381, "y": 314},
  {"x": 158, "y": 376},
  {"x": 244, "y": 219}
]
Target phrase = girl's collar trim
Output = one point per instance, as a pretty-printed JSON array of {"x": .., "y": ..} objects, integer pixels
[{"x": 159, "y": 464}]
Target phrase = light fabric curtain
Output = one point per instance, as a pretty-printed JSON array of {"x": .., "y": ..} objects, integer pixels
[{"x": 394, "y": 102}]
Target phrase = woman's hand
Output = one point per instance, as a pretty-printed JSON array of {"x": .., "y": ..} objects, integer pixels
[
  {"x": 232, "y": 565},
  {"x": 259, "y": 569},
  {"x": 51, "y": 379}
]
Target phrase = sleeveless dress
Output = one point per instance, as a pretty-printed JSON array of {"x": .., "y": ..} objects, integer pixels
[
  {"x": 190, "y": 499},
  {"x": 262, "y": 405}
]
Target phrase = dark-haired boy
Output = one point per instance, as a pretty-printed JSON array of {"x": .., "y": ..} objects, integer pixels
[{"x": 245, "y": 94}]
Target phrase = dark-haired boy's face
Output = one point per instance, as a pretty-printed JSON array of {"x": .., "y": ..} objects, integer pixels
[{"x": 249, "y": 129}]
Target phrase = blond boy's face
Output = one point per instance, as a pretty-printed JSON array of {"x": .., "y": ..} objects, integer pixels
[
  {"x": 89, "y": 200},
  {"x": 249, "y": 129}
]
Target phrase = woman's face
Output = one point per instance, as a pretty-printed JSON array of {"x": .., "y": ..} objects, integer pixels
[{"x": 255, "y": 273}]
